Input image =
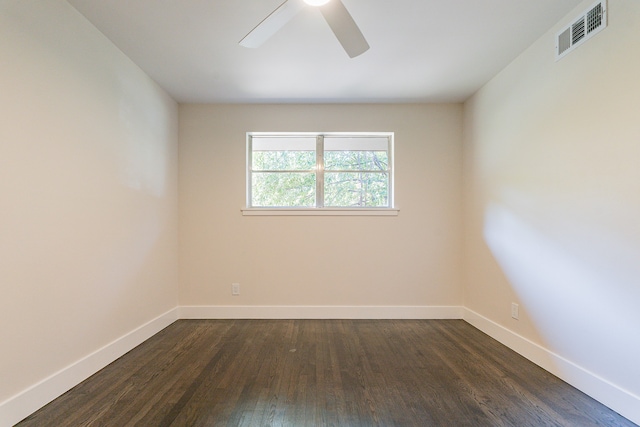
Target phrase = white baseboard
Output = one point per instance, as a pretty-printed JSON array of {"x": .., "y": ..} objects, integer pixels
[
  {"x": 622, "y": 401},
  {"x": 321, "y": 312},
  {"x": 30, "y": 400}
]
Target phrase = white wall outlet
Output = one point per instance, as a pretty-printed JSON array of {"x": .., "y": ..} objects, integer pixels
[
  {"x": 515, "y": 310},
  {"x": 235, "y": 289}
]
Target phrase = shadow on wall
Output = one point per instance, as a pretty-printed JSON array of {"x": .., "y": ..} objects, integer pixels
[{"x": 574, "y": 280}]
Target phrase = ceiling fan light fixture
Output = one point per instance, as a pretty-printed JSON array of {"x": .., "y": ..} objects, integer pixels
[
  {"x": 316, "y": 2},
  {"x": 337, "y": 16}
]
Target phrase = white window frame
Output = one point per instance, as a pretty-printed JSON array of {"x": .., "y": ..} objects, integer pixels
[{"x": 319, "y": 209}]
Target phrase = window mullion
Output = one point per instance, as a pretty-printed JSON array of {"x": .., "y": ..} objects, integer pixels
[{"x": 320, "y": 171}]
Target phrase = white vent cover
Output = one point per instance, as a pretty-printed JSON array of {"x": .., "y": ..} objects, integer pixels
[{"x": 587, "y": 25}]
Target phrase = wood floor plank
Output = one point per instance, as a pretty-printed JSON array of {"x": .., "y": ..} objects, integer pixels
[{"x": 323, "y": 373}]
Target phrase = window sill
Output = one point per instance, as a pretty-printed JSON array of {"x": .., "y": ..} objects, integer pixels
[{"x": 320, "y": 211}]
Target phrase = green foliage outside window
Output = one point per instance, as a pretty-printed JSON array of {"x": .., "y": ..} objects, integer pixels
[
  {"x": 366, "y": 186},
  {"x": 284, "y": 160},
  {"x": 284, "y": 189}
]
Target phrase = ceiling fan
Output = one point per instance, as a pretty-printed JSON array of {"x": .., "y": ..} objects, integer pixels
[{"x": 335, "y": 13}]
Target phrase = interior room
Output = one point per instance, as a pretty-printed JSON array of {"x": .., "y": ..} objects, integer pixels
[{"x": 123, "y": 180}]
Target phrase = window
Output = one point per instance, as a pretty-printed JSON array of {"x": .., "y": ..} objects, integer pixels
[{"x": 320, "y": 171}]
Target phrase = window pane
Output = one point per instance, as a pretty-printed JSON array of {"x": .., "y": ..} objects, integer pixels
[
  {"x": 356, "y": 189},
  {"x": 356, "y": 160},
  {"x": 284, "y": 160},
  {"x": 283, "y": 143},
  {"x": 294, "y": 189},
  {"x": 352, "y": 143}
]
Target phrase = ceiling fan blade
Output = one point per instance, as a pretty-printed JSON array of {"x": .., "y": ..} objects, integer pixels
[
  {"x": 345, "y": 28},
  {"x": 272, "y": 23}
]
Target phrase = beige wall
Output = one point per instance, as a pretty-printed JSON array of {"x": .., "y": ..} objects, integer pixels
[
  {"x": 409, "y": 260},
  {"x": 552, "y": 193},
  {"x": 88, "y": 193}
]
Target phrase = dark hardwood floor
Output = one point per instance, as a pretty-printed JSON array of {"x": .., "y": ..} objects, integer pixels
[{"x": 323, "y": 373}]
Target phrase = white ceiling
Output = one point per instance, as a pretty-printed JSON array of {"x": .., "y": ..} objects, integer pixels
[{"x": 421, "y": 50}]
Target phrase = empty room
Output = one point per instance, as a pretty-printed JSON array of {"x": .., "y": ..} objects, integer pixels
[{"x": 301, "y": 212}]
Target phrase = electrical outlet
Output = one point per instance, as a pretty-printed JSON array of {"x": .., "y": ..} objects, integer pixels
[
  {"x": 515, "y": 310},
  {"x": 235, "y": 289}
]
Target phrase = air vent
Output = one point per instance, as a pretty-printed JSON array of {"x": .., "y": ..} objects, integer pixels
[
  {"x": 577, "y": 31},
  {"x": 587, "y": 25}
]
